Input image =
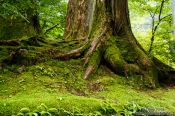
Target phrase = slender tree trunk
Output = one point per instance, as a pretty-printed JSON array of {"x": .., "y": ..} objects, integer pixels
[{"x": 105, "y": 27}]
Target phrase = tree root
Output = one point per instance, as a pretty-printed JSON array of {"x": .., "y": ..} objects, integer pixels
[
  {"x": 166, "y": 73},
  {"x": 93, "y": 62},
  {"x": 96, "y": 52},
  {"x": 143, "y": 66},
  {"x": 33, "y": 41},
  {"x": 73, "y": 53},
  {"x": 9, "y": 43}
]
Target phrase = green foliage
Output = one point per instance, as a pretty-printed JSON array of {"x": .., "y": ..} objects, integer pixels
[
  {"x": 12, "y": 9},
  {"x": 144, "y": 17},
  {"x": 44, "y": 71},
  {"x": 17, "y": 18},
  {"x": 52, "y": 13},
  {"x": 130, "y": 109},
  {"x": 67, "y": 93},
  {"x": 25, "y": 110},
  {"x": 41, "y": 110},
  {"x": 106, "y": 110}
]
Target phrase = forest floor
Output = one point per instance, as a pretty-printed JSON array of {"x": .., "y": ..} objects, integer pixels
[{"x": 58, "y": 84}]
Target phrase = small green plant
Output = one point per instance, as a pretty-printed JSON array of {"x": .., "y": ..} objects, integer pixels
[
  {"x": 107, "y": 109},
  {"x": 130, "y": 108},
  {"x": 25, "y": 110},
  {"x": 44, "y": 71},
  {"x": 53, "y": 111},
  {"x": 41, "y": 110}
]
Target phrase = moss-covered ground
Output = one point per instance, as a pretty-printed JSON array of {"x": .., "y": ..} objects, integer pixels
[{"x": 55, "y": 84}]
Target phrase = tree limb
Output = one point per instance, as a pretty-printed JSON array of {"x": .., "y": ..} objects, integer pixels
[
  {"x": 51, "y": 28},
  {"x": 155, "y": 27}
]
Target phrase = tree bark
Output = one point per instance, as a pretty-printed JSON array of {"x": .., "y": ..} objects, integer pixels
[{"x": 105, "y": 24}]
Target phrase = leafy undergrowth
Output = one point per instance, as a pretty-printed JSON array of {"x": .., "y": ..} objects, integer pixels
[{"x": 58, "y": 87}]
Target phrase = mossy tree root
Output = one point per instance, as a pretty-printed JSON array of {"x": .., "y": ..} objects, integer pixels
[
  {"x": 103, "y": 49},
  {"x": 32, "y": 41},
  {"x": 111, "y": 55}
]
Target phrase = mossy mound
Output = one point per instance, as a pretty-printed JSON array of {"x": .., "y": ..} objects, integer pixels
[{"x": 59, "y": 85}]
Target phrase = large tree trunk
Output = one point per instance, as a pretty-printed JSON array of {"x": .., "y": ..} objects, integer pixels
[{"x": 104, "y": 25}]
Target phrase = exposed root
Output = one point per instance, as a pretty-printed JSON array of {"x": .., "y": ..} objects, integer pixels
[
  {"x": 93, "y": 47},
  {"x": 162, "y": 66},
  {"x": 74, "y": 53},
  {"x": 166, "y": 73},
  {"x": 114, "y": 59},
  {"x": 93, "y": 62},
  {"x": 88, "y": 71},
  {"x": 95, "y": 43},
  {"x": 94, "y": 54},
  {"x": 9, "y": 43},
  {"x": 95, "y": 51},
  {"x": 33, "y": 41},
  {"x": 72, "y": 42}
]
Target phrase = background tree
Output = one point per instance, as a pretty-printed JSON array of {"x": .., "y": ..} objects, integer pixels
[
  {"x": 19, "y": 19},
  {"x": 154, "y": 35},
  {"x": 32, "y": 17}
]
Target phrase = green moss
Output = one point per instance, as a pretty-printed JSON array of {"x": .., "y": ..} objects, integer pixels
[
  {"x": 112, "y": 55},
  {"x": 113, "y": 52},
  {"x": 95, "y": 58},
  {"x": 4, "y": 54},
  {"x": 98, "y": 21},
  {"x": 105, "y": 93},
  {"x": 18, "y": 30}
]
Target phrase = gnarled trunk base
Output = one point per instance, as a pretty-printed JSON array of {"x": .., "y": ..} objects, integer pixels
[{"x": 105, "y": 25}]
